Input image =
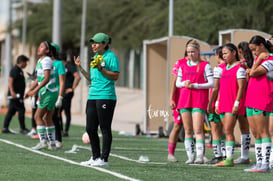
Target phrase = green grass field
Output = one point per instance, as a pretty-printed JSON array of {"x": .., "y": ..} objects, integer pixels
[{"x": 19, "y": 162}]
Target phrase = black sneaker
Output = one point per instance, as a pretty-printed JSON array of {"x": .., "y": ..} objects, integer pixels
[
  {"x": 65, "y": 134},
  {"x": 7, "y": 131},
  {"x": 215, "y": 160},
  {"x": 24, "y": 131}
]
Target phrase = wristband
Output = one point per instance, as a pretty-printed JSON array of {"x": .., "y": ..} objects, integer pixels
[
  {"x": 236, "y": 103},
  {"x": 216, "y": 103}
]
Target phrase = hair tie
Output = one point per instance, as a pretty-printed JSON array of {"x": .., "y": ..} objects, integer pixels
[
  {"x": 193, "y": 45},
  {"x": 47, "y": 45}
]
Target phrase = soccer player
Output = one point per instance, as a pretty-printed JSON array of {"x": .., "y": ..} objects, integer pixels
[
  {"x": 177, "y": 126},
  {"x": 174, "y": 97},
  {"x": 231, "y": 98},
  {"x": 60, "y": 80},
  {"x": 246, "y": 58},
  {"x": 195, "y": 77},
  {"x": 259, "y": 102},
  {"x": 47, "y": 90},
  {"x": 218, "y": 138}
]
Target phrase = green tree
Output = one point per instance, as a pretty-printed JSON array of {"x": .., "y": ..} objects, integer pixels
[{"x": 129, "y": 22}]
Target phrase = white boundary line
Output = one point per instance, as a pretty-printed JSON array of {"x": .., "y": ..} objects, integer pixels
[
  {"x": 125, "y": 158},
  {"x": 70, "y": 161}
]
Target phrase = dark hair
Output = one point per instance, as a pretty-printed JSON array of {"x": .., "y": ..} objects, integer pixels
[
  {"x": 54, "y": 53},
  {"x": 109, "y": 43},
  {"x": 232, "y": 47},
  {"x": 63, "y": 56},
  {"x": 258, "y": 40},
  {"x": 188, "y": 42},
  {"x": 218, "y": 51},
  {"x": 248, "y": 56},
  {"x": 49, "y": 47},
  {"x": 22, "y": 58},
  {"x": 269, "y": 42}
]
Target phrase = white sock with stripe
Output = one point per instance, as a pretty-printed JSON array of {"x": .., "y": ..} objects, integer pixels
[
  {"x": 41, "y": 130},
  {"x": 51, "y": 135},
  {"x": 189, "y": 146},
  {"x": 200, "y": 146}
]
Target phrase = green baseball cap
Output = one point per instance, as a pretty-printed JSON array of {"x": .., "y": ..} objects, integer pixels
[
  {"x": 99, "y": 37},
  {"x": 55, "y": 46}
]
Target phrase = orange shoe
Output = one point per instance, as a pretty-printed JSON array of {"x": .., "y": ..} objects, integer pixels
[
  {"x": 228, "y": 162},
  {"x": 36, "y": 136}
]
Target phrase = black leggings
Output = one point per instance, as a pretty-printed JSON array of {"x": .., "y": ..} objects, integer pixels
[
  {"x": 66, "y": 106},
  {"x": 57, "y": 123},
  {"x": 100, "y": 113}
]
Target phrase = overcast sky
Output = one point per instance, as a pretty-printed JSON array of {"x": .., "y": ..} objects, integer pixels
[{"x": 3, "y": 11}]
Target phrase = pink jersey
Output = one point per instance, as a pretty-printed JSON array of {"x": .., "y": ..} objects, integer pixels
[
  {"x": 176, "y": 114},
  {"x": 193, "y": 98},
  {"x": 222, "y": 65},
  {"x": 259, "y": 92},
  {"x": 176, "y": 66},
  {"x": 175, "y": 72},
  {"x": 228, "y": 91}
]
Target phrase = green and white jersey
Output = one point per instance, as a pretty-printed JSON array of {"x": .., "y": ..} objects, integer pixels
[
  {"x": 59, "y": 70},
  {"x": 46, "y": 64}
]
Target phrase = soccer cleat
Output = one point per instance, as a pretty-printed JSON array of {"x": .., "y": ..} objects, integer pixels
[
  {"x": 99, "y": 163},
  {"x": 32, "y": 132},
  {"x": 51, "y": 147},
  {"x": 253, "y": 167},
  {"x": 24, "y": 131},
  {"x": 199, "y": 160},
  {"x": 190, "y": 161},
  {"x": 171, "y": 158},
  {"x": 228, "y": 162},
  {"x": 263, "y": 168},
  {"x": 39, "y": 146},
  {"x": 241, "y": 161},
  {"x": 215, "y": 160},
  {"x": 36, "y": 136},
  {"x": 88, "y": 162},
  {"x": 59, "y": 144}
]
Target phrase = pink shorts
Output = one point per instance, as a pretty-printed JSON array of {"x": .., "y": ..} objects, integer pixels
[{"x": 176, "y": 116}]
